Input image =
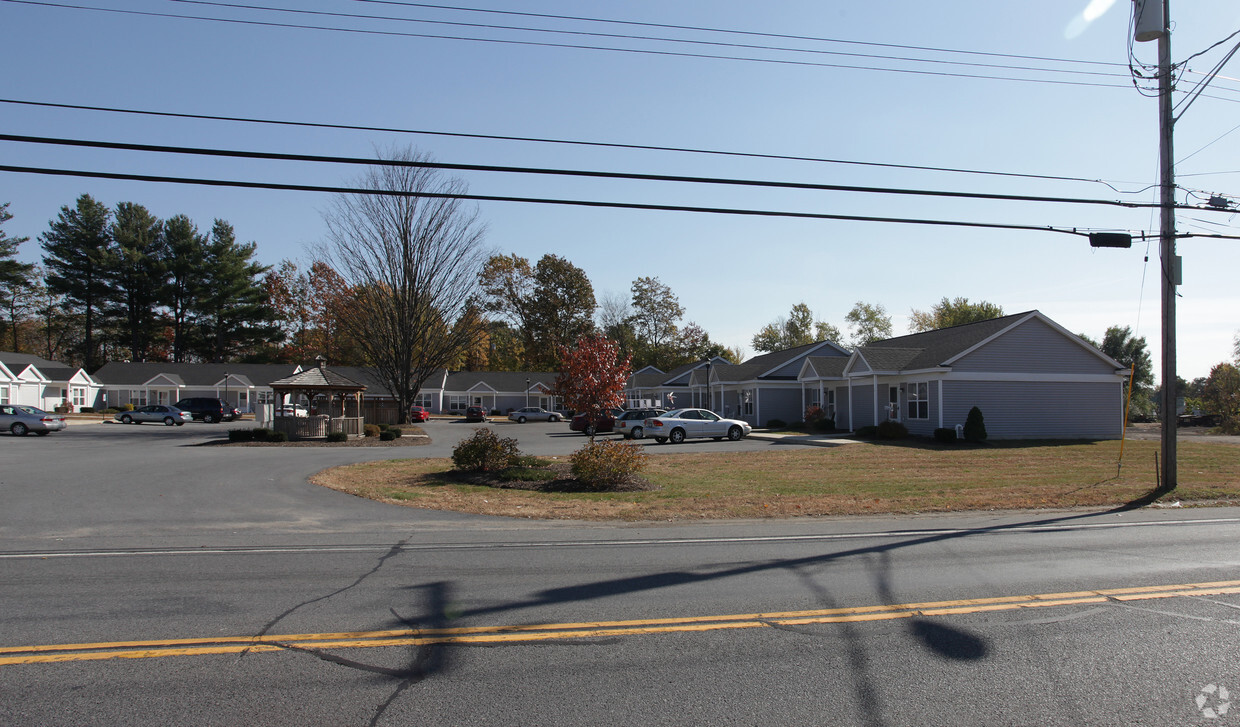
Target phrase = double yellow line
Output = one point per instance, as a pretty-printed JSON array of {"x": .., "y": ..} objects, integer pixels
[{"x": 593, "y": 629}]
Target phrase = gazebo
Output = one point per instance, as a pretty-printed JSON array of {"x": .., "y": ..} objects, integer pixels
[{"x": 317, "y": 382}]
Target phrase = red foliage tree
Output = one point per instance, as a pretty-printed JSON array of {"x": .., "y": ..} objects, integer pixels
[{"x": 593, "y": 374}]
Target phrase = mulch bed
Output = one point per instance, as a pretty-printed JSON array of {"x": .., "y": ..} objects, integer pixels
[{"x": 563, "y": 482}]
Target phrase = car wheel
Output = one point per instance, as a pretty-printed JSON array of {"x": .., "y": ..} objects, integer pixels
[
  {"x": 126, "y": 419},
  {"x": 168, "y": 421},
  {"x": 520, "y": 420},
  {"x": 677, "y": 436},
  {"x": 735, "y": 434},
  {"x": 19, "y": 430},
  {"x": 660, "y": 440},
  {"x": 553, "y": 419},
  {"x": 636, "y": 433},
  {"x": 209, "y": 419}
]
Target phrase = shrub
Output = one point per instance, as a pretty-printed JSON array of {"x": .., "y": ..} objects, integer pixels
[
  {"x": 867, "y": 432},
  {"x": 371, "y": 430},
  {"x": 241, "y": 435},
  {"x": 824, "y": 425},
  {"x": 946, "y": 435},
  {"x": 88, "y": 410},
  {"x": 484, "y": 451},
  {"x": 776, "y": 424},
  {"x": 262, "y": 434},
  {"x": 813, "y": 414},
  {"x": 337, "y": 437},
  {"x": 607, "y": 463},
  {"x": 278, "y": 437},
  {"x": 127, "y": 407},
  {"x": 891, "y": 430},
  {"x": 396, "y": 432},
  {"x": 386, "y": 436},
  {"x": 382, "y": 427},
  {"x": 974, "y": 426}
]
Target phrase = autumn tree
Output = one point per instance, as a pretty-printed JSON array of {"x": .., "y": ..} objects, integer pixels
[
  {"x": 798, "y": 328},
  {"x": 411, "y": 253},
  {"x": 15, "y": 277},
  {"x": 1222, "y": 396},
  {"x": 592, "y": 376},
  {"x": 954, "y": 312},
  {"x": 75, "y": 250},
  {"x": 868, "y": 323},
  {"x": 551, "y": 303}
]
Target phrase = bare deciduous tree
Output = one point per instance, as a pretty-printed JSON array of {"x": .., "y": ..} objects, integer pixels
[{"x": 410, "y": 253}]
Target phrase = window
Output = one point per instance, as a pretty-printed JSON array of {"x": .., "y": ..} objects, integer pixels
[
  {"x": 4, "y": 395},
  {"x": 137, "y": 397},
  {"x": 458, "y": 401},
  {"x": 422, "y": 400},
  {"x": 918, "y": 400},
  {"x": 829, "y": 409}
]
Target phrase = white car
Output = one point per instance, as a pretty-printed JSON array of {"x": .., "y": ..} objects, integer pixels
[
  {"x": 533, "y": 414},
  {"x": 292, "y": 410},
  {"x": 680, "y": 424}
]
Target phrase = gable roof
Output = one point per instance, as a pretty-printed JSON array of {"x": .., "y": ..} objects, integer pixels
[
  {"x": 823, "y": 367},
  {"x": 194, "y": 375},
  {"x": 17, "y": 363}
]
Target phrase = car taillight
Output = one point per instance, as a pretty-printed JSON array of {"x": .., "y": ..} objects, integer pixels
[{"x": 654, "y": 423}]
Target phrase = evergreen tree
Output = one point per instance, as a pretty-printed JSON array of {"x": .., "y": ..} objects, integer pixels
[
  {"x": 76, "y": 256},
  {"x": 185, "y": 252},
  {"x": 231, "y": 314},
  {"x": 14, "y": 277},
  {"x": 138, "y": 276}
]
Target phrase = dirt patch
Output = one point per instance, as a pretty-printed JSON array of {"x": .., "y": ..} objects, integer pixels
[{"x": 563, "y": 481}]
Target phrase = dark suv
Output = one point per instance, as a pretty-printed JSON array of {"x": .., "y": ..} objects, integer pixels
[{"x": 208, "y": 410}]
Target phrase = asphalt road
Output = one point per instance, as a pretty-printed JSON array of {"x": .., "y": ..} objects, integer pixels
[{"x": 146, "y": 580}]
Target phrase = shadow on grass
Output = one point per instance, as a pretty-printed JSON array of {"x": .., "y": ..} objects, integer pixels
[{"x": 1001, "y": 444}]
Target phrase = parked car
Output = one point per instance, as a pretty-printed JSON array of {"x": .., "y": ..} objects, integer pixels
[
  {"x": 21, "y": 420},
  {"x": 418, "y": 414},
  {"x": 631, "y": 424},
  {"x": 291, "y": 410},
  {"x": 208, "y": 410},
  {"x": 475, "y": 414},
  {"x": 680, "y": 424},
  {"x": 533, "y": 414},
  {"x": 604, "y": 421},
  {"x": 169, "y": 415}
]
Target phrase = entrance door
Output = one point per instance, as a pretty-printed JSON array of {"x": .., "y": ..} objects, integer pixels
[{"x": 893, "y": 403}]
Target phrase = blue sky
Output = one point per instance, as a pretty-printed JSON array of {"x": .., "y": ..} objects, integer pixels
[{"x": 732, "y": 274}]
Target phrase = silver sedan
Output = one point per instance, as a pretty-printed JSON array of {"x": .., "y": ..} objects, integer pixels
[
  {"x": 680, "y": 424},
  {"x": 168, "y": 415},
  {"x": 533, "y": 414},
  {"x": 21, "y": 420}
]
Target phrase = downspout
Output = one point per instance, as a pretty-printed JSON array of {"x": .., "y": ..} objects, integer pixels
[{"x": 874, "y": 385}]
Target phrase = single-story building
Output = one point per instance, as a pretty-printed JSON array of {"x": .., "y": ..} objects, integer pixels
[
  {"x": 34, "y": 381},
  {"x": 1030, "y": 377}
]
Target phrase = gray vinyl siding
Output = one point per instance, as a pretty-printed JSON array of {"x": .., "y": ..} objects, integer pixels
[
  {"x": 780, "y": 403},
  {"x": 1037, "y": 410},
  {"x": 1033, "y": 347},
  {"x": 841, "y": 407},
  {"x": 861, "y": 398}
]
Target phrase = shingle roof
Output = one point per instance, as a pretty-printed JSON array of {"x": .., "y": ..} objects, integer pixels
[
  {"x": 827, "y": 366},
  {"x": 929, "y": 349},
  {"x": 118, "y": 373},
  {"x": 498, "y": 380},
  {"x": 319, "y": 377}
]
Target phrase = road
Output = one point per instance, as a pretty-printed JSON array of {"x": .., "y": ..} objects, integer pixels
[{"x": 225, "y": 590}]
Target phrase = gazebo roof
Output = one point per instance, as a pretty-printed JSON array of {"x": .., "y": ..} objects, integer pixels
[{"x": 318, "y": 378}]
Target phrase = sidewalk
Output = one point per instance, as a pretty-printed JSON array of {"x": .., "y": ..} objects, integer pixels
[{"x": 814, "y": 440}]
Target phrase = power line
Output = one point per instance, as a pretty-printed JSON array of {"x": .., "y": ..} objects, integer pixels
[
  {"x": 277, "y": 156},
  {"x": 571, "y": 46},
  {"x": 570, "y": 142},
  {"x": 533, "y": 200},
  {"x": 628, "y": 36}
]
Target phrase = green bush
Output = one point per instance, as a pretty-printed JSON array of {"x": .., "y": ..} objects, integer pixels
[
  {"x": 974, "y": 426},
  {"x": 262, "y": 434},
  {"x": 241, "y": 435},
  {"x": 278, "y": 437},
  {"x": 371, "y": 430},
  {"x": 867, "y": 432},
  {"x": 776, "y": 424},
  {"x": 891, "y": 430},
  {"x": 382, "y": 427},
  {"x": 484, "y": 451},
  {"x": 337, "y": 437},
  {"x": 386, "y": 436},
  {"x": 607, "y": 463},
  {"x": 396, "y": 432},
  {"x": 946, "y": 435},
  {"x": 88, "y": 410}
]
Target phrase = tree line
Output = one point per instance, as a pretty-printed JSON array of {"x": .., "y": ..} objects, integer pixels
[{"x": 122, "y": 284}]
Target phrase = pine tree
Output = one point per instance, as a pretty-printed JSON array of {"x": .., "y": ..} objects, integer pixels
[
  {"x": 232, "y": 314},
  {"x": 14, "y": 276},
  {"x": 138, "y": 276},
  {"x": 75, "y": 253},
  {"x": 184, "y": 250}
]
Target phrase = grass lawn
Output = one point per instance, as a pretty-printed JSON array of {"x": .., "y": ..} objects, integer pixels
[{"x": 852, "y": 479}]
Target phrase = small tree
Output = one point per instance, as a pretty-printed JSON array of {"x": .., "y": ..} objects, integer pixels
[
  {"x": 974, "y": 426},
  {"x": 593, "y": 375},
  {"x": 1222, "y": 396}
]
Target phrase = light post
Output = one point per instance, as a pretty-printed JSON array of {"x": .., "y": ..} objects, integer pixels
[
  {"x": 226, "y": 389},
  {"x": 527, "y": 393}
]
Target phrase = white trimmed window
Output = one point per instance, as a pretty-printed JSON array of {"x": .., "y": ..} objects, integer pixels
[
  {"x": 423, "y": 400},
  {"x": 918, "y": 397},
  {"x": 457, "y": 402},
  {"x": 4, "y": 395}
]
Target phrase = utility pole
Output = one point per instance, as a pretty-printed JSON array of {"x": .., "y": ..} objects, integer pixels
[{"x": 1153, "y": 21}]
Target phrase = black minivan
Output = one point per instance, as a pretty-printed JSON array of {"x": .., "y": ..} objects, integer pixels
[{"x": 208, "y": 410}]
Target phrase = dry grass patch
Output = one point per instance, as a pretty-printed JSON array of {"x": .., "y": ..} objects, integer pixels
[{"x": 846, "y": 480}]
